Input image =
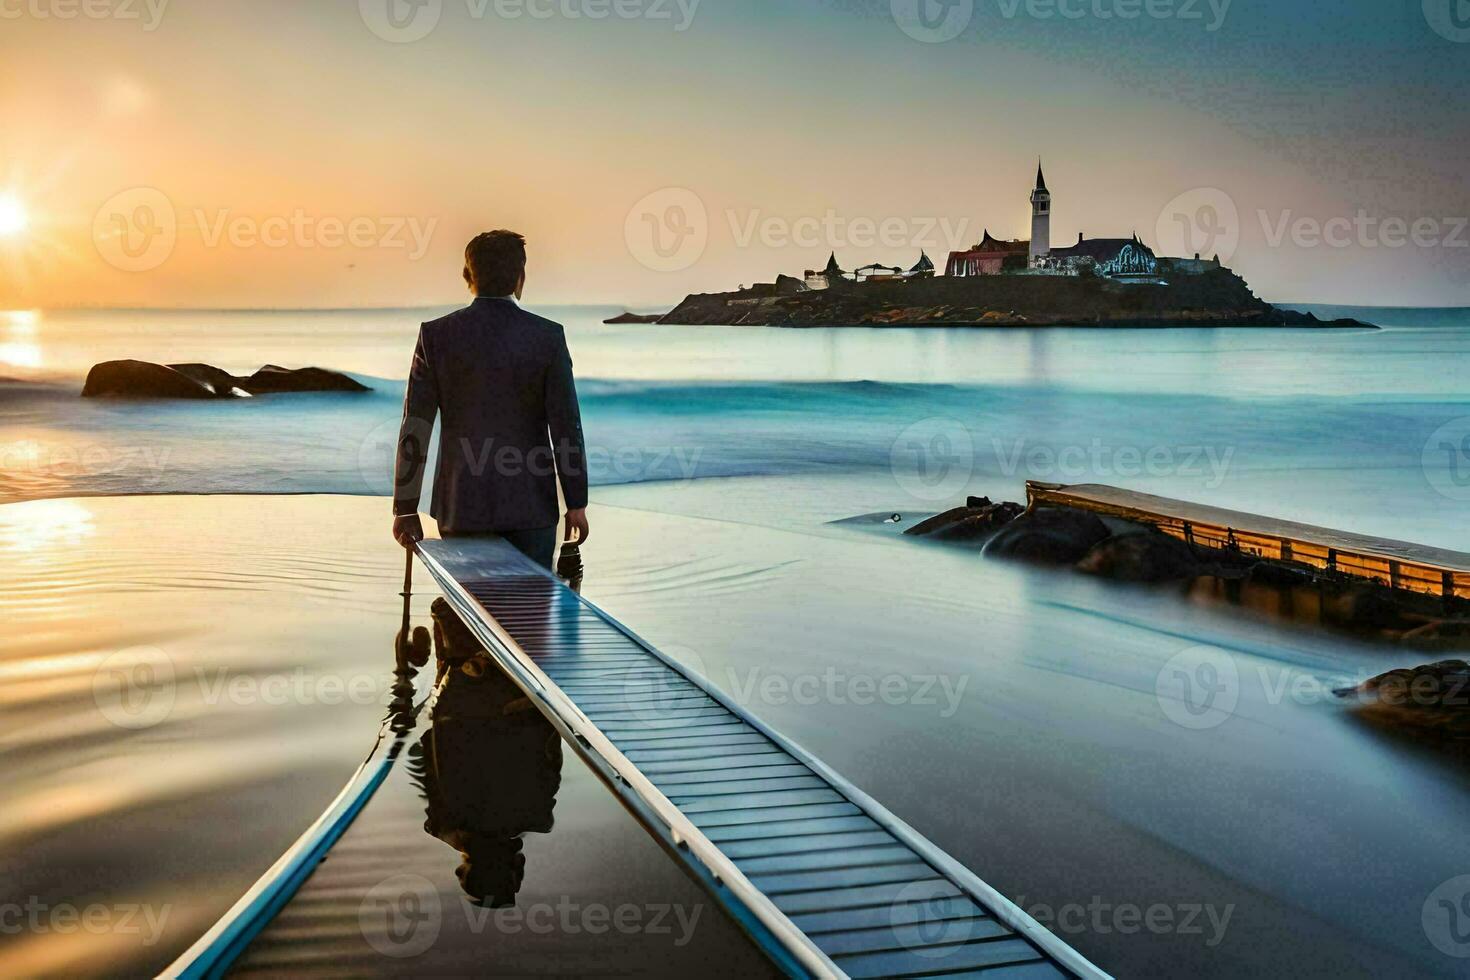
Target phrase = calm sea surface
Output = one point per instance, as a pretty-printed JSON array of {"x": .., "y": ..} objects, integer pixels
[{"x": 1023, "y": 728}]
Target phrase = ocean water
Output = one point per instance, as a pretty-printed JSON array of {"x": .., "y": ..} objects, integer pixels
[
  {"x": 1359, "y": 428},
  {"x": 1029, "y": 731}
]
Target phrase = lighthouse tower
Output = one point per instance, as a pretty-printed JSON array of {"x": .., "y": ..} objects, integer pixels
[{"x": 1040, "y": 219}]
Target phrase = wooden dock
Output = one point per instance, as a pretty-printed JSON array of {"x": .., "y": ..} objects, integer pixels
[
  {"x": 822, "y": 876},
  {"x": 1395, "y": 564}
]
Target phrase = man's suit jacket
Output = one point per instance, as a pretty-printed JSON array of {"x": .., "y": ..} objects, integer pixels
[{"x": 500, "y": 379}]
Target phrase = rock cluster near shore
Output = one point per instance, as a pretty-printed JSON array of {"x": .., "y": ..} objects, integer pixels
[
  {"x": 1126, "y": 551},
  {"x": 144, "y": 379},
  {"x": 1063, "y": 536},
  {"x": 1431, "y": 700},
  {"x": 979, "y": 518}
]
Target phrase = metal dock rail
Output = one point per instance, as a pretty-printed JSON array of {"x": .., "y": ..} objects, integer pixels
[
  {"x": 823, "y": 878},
  {"x": 1396, "y": 564}
]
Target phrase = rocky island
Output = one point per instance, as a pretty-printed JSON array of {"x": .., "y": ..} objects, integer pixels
[
  {"x": 1096, "y": 282},
  {"x": 1217, "y": 297}
]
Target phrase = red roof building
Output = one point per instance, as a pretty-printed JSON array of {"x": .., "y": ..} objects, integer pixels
[{"x": 989, "y": 258}]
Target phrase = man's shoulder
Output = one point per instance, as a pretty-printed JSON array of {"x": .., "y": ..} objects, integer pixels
[
  {"x": 450, "y": 318},
  {"x": 538, "y": 322},
  {"x": 531, "y": 330},
  {"x": 504, "y": 311}
]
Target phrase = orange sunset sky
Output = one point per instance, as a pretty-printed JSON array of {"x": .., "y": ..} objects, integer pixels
[{"x": 286, "y": 154}]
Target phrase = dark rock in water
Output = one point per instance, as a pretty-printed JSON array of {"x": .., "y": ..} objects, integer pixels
[
  {"x": 274, "y": 379},
  {"x": 141, "y": 379},
  {"x": 634, "y": 318},
  {"x": 1048, "y": 535},
  {"x": 220, "y": 381},
  {"x": 969, "y": 522},
  {"x": 1142, "y": 556},
  {"x": 1433, "y": 699},
  {"x": 932, "y": 524}
]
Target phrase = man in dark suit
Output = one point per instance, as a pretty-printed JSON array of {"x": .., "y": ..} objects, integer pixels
[{"x": 500, "y": 379}]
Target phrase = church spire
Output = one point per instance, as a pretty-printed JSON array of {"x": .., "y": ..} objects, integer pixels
[{"x": 1040, "y": 219}]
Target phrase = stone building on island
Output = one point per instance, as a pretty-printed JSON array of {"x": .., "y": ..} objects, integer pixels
[
  {"x": 1120, "y": 259},
  {"x": 990, "y": 257},
  {"x": 1123, "y": 260},
  {"x": 1040, "y": 219}
]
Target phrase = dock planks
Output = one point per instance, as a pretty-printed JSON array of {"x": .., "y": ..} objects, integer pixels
[
  {"x": 1396, "y": 564},
  {"x": 825, "y": 880}
]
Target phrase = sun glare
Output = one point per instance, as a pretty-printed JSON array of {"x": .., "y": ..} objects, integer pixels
[{"x": 13, "y": 217}]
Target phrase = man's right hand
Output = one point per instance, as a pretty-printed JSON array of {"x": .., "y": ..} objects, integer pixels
[
  {"x": 408, "y": 530},
  {"x": 577, "y": 521}
]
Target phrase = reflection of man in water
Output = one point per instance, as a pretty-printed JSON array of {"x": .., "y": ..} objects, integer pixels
[{"x": 492, "y": 765}]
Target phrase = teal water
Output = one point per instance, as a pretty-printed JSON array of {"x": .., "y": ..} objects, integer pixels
[
  {"x": 1044, "y": 749},
  {"x": 1361, "y": 428}
]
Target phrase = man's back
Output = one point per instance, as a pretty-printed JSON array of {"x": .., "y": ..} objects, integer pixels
[{"x": 500, "y": 378}]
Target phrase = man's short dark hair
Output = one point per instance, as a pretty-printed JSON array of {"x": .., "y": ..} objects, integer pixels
[{"x": 494, "y": 261}]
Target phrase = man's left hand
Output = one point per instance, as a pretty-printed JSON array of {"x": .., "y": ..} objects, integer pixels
[
  {"x": 577, "y": 521},
  {"x": 408, "y": 530}
]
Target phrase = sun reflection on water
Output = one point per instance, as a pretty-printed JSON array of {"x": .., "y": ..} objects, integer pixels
[{"x": 18, "y": 346}]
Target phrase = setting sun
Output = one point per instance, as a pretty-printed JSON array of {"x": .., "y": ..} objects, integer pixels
[{"x": 13, "y": 217}]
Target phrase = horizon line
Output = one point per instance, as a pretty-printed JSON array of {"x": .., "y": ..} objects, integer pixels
[{"x": 630, "y": 308}]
